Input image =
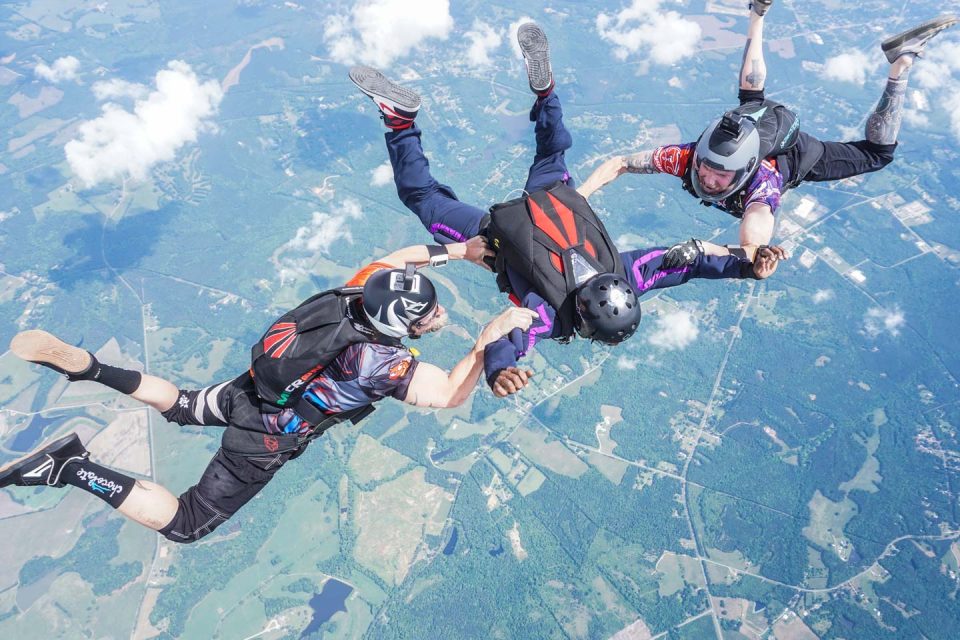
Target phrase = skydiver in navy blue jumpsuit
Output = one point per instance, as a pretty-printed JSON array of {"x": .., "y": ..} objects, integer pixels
[{"x": 450, "y": 220}]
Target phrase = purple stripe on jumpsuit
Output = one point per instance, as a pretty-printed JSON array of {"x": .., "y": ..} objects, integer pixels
[
  {"x": 535, "y": 331},
  {"x": 452, "y": 233},
  {"x": 643, "y": 285}
]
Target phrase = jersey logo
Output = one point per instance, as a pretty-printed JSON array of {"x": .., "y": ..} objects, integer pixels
[
  {"x": 669, "y": 160},
  {"x": 400, "y": 369},
  {"x": 271, "y": 443},
  {"x": 279, "y": 338}
]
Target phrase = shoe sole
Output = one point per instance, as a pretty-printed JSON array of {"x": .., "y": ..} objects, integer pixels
[
  {"x": 934, "y": 26},
  {"x": 378, "y": 87},
  {"x": 8, "y": 470},
  {"x": 45, "y": 348},
  {"x": 536, "y": 53}
]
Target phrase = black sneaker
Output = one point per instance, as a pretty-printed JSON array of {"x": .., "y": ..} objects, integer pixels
[
  {"x": 912, "y": 41},
  {"x": 536, "y": 55},
  {"x": 44, "y": 466},
  {"x": 398, "y": 105},
  {"x": 760, "y": 7},
  {"x": 52, "y": 352}
]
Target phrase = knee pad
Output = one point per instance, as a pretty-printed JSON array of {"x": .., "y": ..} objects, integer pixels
[{"x": 181, "y": 412}]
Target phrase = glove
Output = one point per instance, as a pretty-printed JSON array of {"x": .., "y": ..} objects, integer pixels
[{"x": 682, "y": 254}]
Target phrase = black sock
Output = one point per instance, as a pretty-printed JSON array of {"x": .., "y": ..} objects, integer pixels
[
  {"x": 122, "y": 380},
  {"x": 110, "y": 486}
]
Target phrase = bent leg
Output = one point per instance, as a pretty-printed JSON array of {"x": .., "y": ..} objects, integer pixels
[
  {"x": 437, "y": 206},
  {"x": 553, "y": 139},
  {"x": 847, "y": 159},
  {"x": 883, "y": 124},
  {"x": 228, "y": 483}
]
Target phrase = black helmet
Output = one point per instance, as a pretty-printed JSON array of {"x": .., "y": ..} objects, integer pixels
[
  {"x": 731, "y": 143},
  {"x": 608, "y": 308},
  {"x": 395, "y": 299}
]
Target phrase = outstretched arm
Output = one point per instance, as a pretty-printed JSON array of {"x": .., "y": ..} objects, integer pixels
[
  {"x": 434, "y": 387},
  {"x": 615, "y": 167},
  {"x": 475, "y": 250},
  {"x": 753, "y": 69},
  {"x": 659, "y": 268}
]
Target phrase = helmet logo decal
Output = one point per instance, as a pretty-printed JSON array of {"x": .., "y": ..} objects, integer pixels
[
  {"x": 412, "y": 306},
  {"x": 390, "y": 317}
]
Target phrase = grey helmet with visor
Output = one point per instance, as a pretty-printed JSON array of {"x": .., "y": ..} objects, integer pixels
[{"x": 731, "y": 143}]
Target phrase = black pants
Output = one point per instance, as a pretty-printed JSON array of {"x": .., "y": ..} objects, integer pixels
[
  {"x": 839, "y": 160},
  {"x": 236, "y": 473}
]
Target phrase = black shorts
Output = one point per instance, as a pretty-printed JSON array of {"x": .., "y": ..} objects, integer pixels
[
  {"x": 228, "y": 483},
  {"x": 245, "y": 463}
]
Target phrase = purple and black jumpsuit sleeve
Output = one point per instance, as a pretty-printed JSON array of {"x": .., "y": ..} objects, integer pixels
[
  {"x": 505, "y": 352},
  {"x": 644, "y": 267}
]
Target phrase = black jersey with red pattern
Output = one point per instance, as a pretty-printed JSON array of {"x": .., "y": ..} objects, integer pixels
[{"x": 362, "y": 374}]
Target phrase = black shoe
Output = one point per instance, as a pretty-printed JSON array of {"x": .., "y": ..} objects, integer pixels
[
  {"x": 536, "y": 55},
  {"x": 760, "y": 7},
  {"x": 398, "y": 105},
  {"x": 52, "y": 352},
  {"x": 44, "y": 466},
  {"x": 912, "y": 41}
]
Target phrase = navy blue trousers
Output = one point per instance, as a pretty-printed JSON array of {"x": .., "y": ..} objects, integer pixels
[{"x": 437, "y": 206}]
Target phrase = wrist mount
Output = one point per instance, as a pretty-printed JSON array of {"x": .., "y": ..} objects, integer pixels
[{"x": 439, "y": 256}]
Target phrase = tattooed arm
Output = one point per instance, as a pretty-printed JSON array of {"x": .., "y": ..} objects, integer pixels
[
  {"x": 753, "y": 69},
  {"x": 615, "y": 167}
]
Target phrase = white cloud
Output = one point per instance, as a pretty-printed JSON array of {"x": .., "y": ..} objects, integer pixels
[
  {"x": 121, "y": 143},
  {"x": 878, "y": 320},
  {"x": 665, "y": 37},
  {"x": 116, "y": 88},
  {"x": 823, "y": 295},
  {"x": 382, "y": 175},
  {"x": 64, "y": 68},
  {"x": 675, "y": 330},
  {"x": 952, "y": 104},
  {"x": 297, "y": 257},
  {"x": 483, "y": 39},
  {"x": 939, "y": 73},
  {"x": 851, "y": 67},
  {"x": 377, "y": 32},
  {"x": 627, "y": 363}
]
